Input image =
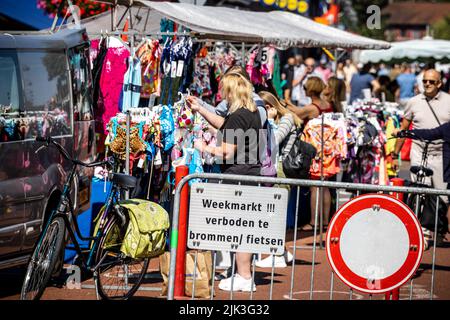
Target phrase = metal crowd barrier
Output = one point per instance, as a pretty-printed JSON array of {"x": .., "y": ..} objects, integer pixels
[{"x": 219, "y": 178}]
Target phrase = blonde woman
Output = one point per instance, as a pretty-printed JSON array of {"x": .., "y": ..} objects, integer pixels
[{"x": 240, "y": 155}]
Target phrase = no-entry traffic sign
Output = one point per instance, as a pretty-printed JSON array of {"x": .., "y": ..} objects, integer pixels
[{"x": 374, "y": 243}]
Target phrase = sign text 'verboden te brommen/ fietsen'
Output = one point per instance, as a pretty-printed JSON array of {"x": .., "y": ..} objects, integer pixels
[{"x": 237, "y": 218}]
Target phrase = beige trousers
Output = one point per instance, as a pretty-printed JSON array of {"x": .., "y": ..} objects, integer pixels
[{"x": 434, "y": 162}]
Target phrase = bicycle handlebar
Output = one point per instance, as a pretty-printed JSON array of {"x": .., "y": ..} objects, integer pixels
[
  {"x": 65, "y": 154},
  {"x": 411, "y": 135}
]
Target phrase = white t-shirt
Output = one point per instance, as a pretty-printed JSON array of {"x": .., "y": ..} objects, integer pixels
[
  {"x": 300, "y": 94},
  {"x": 419, "y": 79},
  {"x": 296, "y": 91},
  {"x": 418, "y": 111}
]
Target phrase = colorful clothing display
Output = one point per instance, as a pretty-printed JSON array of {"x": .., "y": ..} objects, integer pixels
[
  {"x": 111, "y": 82},
  {"x": 131, "y": 86},
  {"x": 149, "y": 53},
  {"x": 174, "y": 61},
  {"x": 334, "y": 146},
  {"x": 257, "y": 70}
]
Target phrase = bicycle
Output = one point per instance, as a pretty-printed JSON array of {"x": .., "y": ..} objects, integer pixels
[
  {"x": 424, "y": 204},
  {"x": 105, "y": 259}
]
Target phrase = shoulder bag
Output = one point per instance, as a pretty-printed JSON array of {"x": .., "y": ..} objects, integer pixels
[{"x": 297, "y": 162}]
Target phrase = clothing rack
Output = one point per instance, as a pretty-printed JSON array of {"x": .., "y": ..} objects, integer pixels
[
  {"x": 135, "y": 33},
  {"x": 140, "y": 33}
]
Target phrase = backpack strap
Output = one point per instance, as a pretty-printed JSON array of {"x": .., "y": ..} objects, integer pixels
[
  {"x": 263, "y": 113},
  {"x": 434, "y": 114},
  {"x": 298, "y": 132}
]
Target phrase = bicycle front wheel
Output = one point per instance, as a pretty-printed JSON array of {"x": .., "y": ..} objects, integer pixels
[
  {"x": 43, "y": 261},
  {"x": 117, "y": 276}
]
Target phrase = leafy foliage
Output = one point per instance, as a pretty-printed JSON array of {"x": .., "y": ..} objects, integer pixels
[
  {"x": 360, "y": 7},
  {"x": 441, "y": 29},
  {"x": 87, "y": 8}
]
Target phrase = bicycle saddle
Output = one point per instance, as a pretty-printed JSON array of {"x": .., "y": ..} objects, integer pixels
[
  {"x": 426, "y": 171},
  {"x": 124, "y": 181}
]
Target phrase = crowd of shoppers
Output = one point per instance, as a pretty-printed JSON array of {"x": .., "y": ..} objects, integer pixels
[{"x": 309, "y": 91}]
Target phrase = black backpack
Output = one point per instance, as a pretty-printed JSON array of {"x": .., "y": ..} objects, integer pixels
[{"x": 297, "y": 162}]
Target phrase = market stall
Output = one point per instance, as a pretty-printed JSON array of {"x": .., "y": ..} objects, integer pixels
[
  {"x": 282, "y": 29},
  {"x": 146, "y": 56},
  {"x": 421, "y": 50}
]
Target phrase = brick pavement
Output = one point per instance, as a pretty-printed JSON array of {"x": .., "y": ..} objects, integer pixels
[{"x": 11, "y": 280}]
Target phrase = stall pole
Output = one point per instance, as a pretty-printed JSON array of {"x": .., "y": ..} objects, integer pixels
[
  {"x": 321, "y": 188},
  {"x": 243, "y": 55},
  {"x": 112, "y": 17},
  {"x": 335, "y": 62},
  {"x": 127, "y": 151},
  {"x": 131, "y": 17},
  {"x": 179, "y": 237},
  {"x": 395, "y": 294},
  {"x": 123, "y": 16},
  {"x": 398, "y": 182},
  {"x": 150, "y": 178}
]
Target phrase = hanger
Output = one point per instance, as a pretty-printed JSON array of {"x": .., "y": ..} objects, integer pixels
[
  {"x": 145, "y": 40},
  {"x": 168, "y": 41},
  {"x": 115, "y": 38}
]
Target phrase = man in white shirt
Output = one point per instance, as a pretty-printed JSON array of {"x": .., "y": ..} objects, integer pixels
[
  {"x": 426, "y": 110},
  {"x": 300, "y": 77}
]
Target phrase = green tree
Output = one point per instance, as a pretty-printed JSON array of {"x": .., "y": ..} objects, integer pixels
[
  {"x": 360, "y": 7},
  {"x": 441, "y": 29}
]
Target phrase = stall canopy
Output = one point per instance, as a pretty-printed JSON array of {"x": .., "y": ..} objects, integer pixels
[
  {"x": 143, "y": 20},
  {"x": 283, "y": 29},
  {"x": 424, "y": 50}
]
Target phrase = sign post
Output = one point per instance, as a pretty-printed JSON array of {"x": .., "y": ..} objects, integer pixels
[
  {"x": 374, "y": 244},
  {"x": 237, "y": 218},
  {"x": 178, "y": 239}
]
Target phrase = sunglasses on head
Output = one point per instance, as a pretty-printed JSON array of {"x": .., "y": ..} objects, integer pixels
[{"x": 425, "y": 81}]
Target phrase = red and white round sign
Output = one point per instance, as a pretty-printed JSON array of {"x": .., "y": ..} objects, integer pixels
[{"x": 374, "y": 243}]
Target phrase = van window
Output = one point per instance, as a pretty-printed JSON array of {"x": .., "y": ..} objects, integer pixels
[
  {"x": 46, "y": 93},
  {"x": 10, "y": 101},
  {"x": 81, "y": 83}
]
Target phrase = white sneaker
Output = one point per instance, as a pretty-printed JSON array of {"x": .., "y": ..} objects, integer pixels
[
  {"x": 239, "y": 284},
  {"x": 280, "y": 262}
]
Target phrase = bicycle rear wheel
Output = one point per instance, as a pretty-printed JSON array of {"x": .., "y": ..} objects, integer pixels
[
  {"x": 117, "y": 276},
  {"x": 43, "y": 261}
]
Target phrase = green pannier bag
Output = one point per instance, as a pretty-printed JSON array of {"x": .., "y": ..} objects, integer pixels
[{"x": 146, "y": 232}]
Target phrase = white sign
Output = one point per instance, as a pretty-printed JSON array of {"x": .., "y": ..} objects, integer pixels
[
  {"x": 237, "y": 218},
  {"x": 265, "y": 55}
]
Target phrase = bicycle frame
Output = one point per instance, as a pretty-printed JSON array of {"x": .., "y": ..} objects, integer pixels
[
  {"x": 62, "y": 211},
  {"x": 423, "y": 163}
]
